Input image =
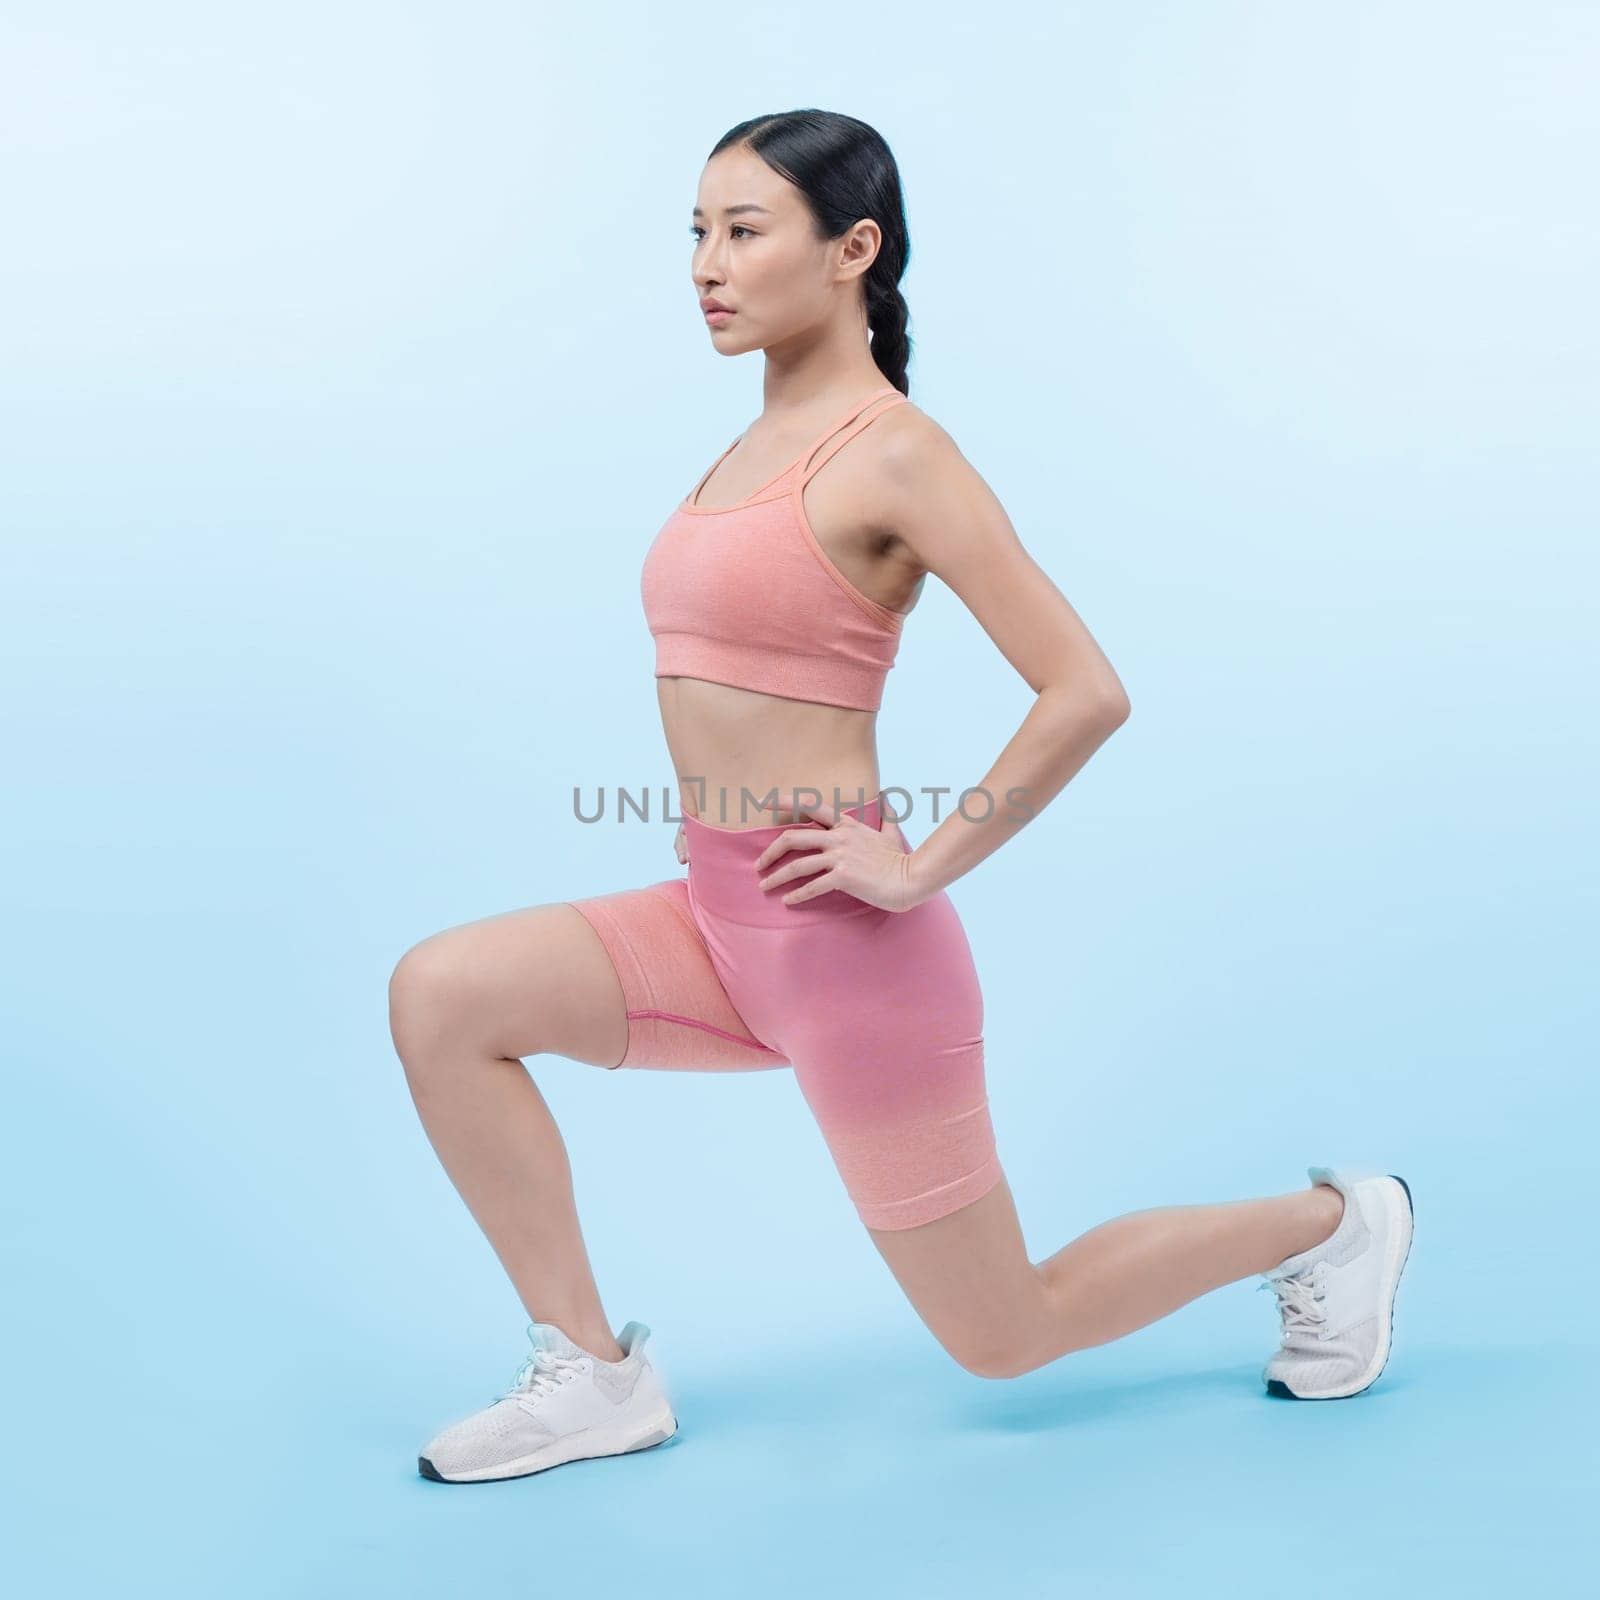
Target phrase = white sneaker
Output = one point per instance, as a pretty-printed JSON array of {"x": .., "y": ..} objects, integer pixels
[
  {"x": 564, "y": 1404},
  {"x": 1336, "y": 1300}
]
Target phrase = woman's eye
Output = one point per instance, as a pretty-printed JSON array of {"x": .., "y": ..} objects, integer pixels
[{"x": 697, "y": 234}]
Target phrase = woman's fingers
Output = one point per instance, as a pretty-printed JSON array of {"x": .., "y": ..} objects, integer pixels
[
  {"x": 803, "y": 838},
  {"x": 799, "y": 867}
]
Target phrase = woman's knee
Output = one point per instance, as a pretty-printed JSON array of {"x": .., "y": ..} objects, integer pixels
[
  {"x": 1013, "y": 1354},
  {"x": 425, "y": 996},
  {"x": 999, "y": 1359},
  {"x": 523, "y": 983},
  {"x": 1003, "y": 1364}
]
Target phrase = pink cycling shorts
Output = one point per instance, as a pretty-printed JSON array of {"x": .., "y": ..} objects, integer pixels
[{"x": 878, "y": 1012}]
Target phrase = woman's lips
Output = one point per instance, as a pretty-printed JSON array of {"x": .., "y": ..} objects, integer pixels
[{"x": 718, "y": 316}]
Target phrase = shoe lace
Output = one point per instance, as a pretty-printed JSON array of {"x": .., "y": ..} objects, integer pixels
[
  {"x": 1300, "y": 1304},
  {"x": 542, "y": 1373}
]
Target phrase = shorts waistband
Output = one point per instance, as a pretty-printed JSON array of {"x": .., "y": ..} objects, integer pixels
[{"x": 724, "y": 881}]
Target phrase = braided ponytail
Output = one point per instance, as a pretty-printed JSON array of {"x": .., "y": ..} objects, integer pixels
[{"x": 887, "y": 316}]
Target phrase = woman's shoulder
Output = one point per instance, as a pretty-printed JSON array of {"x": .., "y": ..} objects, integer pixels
[{"x": 913, "y": 443}]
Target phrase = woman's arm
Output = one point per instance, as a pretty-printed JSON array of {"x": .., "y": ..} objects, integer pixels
[{"x": 955, "y": 527}]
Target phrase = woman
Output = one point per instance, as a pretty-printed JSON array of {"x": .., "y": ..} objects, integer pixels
[{"x": 814, "y": 936}]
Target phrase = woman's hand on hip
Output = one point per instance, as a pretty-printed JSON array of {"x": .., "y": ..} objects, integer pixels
[{"x": 872, "y": 864}]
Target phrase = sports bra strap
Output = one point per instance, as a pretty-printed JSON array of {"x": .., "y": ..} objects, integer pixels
[
  {"x": 850, "y": 421},
  {"x": 841, "y": 433},
  {"x": 694, "y": 494}
]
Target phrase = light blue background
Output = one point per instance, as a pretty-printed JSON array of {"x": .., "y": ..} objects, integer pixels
[{"x": 351, "y": 363}]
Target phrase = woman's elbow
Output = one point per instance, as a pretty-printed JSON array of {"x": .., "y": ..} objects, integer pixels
[
  {"x": 1114, "y": 704},
  {"x": 1101, "y": 701}
]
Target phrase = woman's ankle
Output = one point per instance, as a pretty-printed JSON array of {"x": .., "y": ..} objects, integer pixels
[{"x": 1331, "y": 1212}]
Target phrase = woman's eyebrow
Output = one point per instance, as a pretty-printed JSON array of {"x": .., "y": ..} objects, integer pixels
[{"x": 729, "y": 211}]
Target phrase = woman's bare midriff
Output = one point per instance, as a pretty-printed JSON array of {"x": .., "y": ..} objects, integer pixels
[{"x": 725, "y": 741}]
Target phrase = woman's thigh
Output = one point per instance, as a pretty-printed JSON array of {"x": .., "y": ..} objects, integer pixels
[
  {"x": 890, "y": 1056},
  {"x": 678, "y": 1013},
  {"x": 614, "y": 980},
  {"x": 532, "y": 981},
  {"x": 970, "y": 1278},
  {"x": 882, "y": 1015}
]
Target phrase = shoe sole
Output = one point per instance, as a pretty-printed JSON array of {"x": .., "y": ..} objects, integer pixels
[
  {"x": 586, "y": 1445},
  {"x": 1399, "y": 1247}
]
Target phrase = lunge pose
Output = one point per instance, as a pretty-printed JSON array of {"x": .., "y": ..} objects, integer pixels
[{"x": 809, "y": 935}]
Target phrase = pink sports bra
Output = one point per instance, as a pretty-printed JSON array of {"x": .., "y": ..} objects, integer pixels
[{"x": 744, "y": 594}]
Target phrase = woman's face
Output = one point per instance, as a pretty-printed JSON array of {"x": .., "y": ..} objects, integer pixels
[{"x": 756, "y": 251}]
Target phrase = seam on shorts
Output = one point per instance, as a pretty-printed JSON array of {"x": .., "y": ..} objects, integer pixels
[
  {"x": 686, "y": 916},
  {"x": 642, "y": 968},
  {"x": 707, "y": 1027}
]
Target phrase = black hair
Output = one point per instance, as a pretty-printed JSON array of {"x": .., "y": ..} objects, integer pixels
[{"x": 846, "y": 172}]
